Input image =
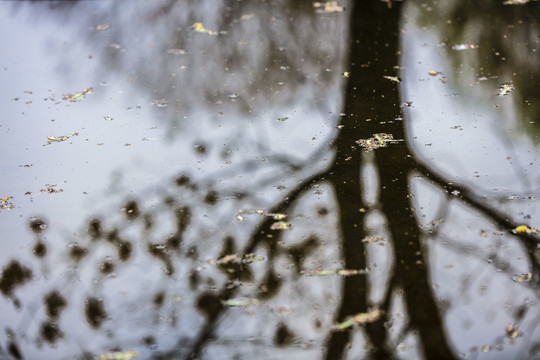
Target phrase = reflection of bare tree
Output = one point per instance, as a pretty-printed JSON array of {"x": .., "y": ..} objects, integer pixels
[
  {"x": 372, "y": 104},
  {"x": 506, "y": 39}
]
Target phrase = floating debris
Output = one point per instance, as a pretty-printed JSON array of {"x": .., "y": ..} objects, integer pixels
[
  {"x": 236, "y": 259},
  {"x": 361, "y": 318},
  {"x": 344, "y": 272},
  {"x": 240, "y": 302},
  {"x": 101, "y": 27},
  {"x": 176, "y": 52},
  {"x": 460, "y": 47},
  {"x": 199, "y": 27},
  {"x": 392, "y": 78},
  {"x": 52, "y": 139},
  {"x": 108, "y": 118},
  {"x": 160, "y": 102},
  {"x": 328, "y": 7},
  {"x": 523, "y": 229},
  {"x": 512, "y": 331},
  {"x": 51, "y": 189},
  {"x": 505, "y": 89},
  {"x": 282, "y": 119},
  {"x": 346, "y": 74},
  {"x": 522, "y": 278},
  {"x": 516, "y": 2},
  {"x": 5, "y": 204},
  {"x": 280, "y": 225},
  {"x": 78, "y": 96},
  {"x": 369, "y": 239},
  {"x": 276, "y": 216},
  {"x": 434, "y": 73},
  {"x": 377, "y": 141},
  {"x": 124, "y": 355},
  {"x": 407, "y": 104}
]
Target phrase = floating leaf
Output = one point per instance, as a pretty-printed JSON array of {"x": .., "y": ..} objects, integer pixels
[
  {"x": 124, "y": 355},
  {"x": 377, "y": 141},
  {"x": 512, "y": 331},
  {"x": 523, "y": 229},
  {"x": 5, "y": 204},
  {"x": 199, "y": 27},
  {"x": 344, "y": 272},
  {"x": 60, "y": 138},
  {"x": 406, "y": 104},
  {"x": 280, "y": 225},
  {"x": 392, "y": 78},
  {"x": 522, "y": 278},
  {"x": 78, "y": 96},
  {"x": 328, "y": 7},
  {"x": 51, "y": 189},
  {"x": 282, "y": 119},
  {"x": 505, "y": 89},
  {"x": 276, "y": 216},
  {"x": 236, "y": 259},
  {"x": 240, "y": 302},
  {"x": 361, "y": 318}
]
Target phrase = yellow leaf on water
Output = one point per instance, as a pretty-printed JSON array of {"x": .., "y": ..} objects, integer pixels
[
  {"x": 361, "y": 318},
  {"x": 523, "y": 229},
  {"x": 124, "y": 355},
  {"x": 199, "y": 27}
]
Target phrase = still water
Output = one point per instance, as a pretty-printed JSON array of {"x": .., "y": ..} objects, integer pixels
[{"x": 270, "y": 180}]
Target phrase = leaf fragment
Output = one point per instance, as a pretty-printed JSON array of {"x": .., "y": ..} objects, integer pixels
[
  {"x": 392, "y": 78},
  {"x": 78, "y": 96},
  {"x": 512, "y": 331},
  {"x": 522, "y": 278},
  {"x": 505, "y": 89},
  {"x": 199, "y": 27},
  {"x": 276, "y": 216},
  {"x": 60, "y": 138},
  {"x": 240, "y": 302},
  {"x": 51, "y": 189},
  {"x": 280, "y": 225},
  {"x": 328, "y": 7},
  {"x": 5, "y": 204},
  {"x": 342, "y": 272},
  {"x": 377, "y": 141},
  {"x": 124, "y": 355},
  {"x": 362, "y": 318},
  {"x": 236, "y": 259}
]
